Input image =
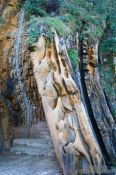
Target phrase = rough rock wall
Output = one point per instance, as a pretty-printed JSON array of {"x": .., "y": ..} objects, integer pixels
[
  {"x": 71, "y": 130},
  {"x": 16, "y": 76},
  {"x": 22, "y": 74},
  {"x": 12, "y": 103},
  {"x": 6, "y": 43},
  {"x": 98, "y": 102}
]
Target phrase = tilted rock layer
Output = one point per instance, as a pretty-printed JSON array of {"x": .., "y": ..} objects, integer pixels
[{"x": 70, "y": 127}]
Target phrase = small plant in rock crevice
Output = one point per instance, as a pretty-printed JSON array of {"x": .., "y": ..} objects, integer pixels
[
  {"x": 73, "y": 57},
  {"x": 38, "y": 26}
]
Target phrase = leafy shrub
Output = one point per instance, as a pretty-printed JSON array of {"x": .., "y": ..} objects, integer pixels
[
  {"x": 107, "y": 80},
  {"x": 70, "y": 21},
  {"x": 80, "y": 10},
  {"x": 56, "y": 23},
  {"x": 34, "y": 29},
  {"x": 108, "y": 83},
  {"x": 73, "y": 57},
  {"x": 40, "y": 7},
  {"x": 109, "y": 45},
  {"x": 36, "y": 7}
]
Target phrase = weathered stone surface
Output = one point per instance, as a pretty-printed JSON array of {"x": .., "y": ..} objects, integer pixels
[
  {"x": 15, "y": 65},
  {"x": 27, "y": 165},
  {"x": 22, "y": 104},
  {"x": 37, "y": 152},
  {"x": 66, "y": 116},
  {"x": 98, "y": 102}
]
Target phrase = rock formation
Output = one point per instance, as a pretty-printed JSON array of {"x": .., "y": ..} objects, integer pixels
[
  {"x": 18, "y": 95},
  {"x": 6, "y": 96},
  {"x": 95, "y": 93},
  {"x": 71, "y": 131},
  {"x": 38, "y": 83}
]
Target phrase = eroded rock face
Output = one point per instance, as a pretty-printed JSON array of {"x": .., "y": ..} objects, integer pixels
[
  {"x": 1, "y": 137},
  {"x": 6, "y": 43},
  {"x": 8, "y": 9},
  {"x": 70, "y": 127},
  {"x": 98, "y": 103},
  {"x": 15, "y": 65},
  {"x": 68, "y": 122}
]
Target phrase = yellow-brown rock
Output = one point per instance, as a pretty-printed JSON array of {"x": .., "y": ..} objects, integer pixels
[{"x": 64, "y": 110}]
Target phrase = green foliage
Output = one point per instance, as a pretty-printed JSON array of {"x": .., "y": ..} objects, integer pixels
[
  {"x": 33, "y": 33},
  {"x": 34, "y": 28},
  {"x": 73, "y": 57},
  {"x": 40, "y": 7},
  {"x": 70, "y": 21},
  {"x": 107, "y": 72},
  {"x": 114, "y": 115},
  {"x": 36, "y": 7},
  {"x": 93, "y": 12},
  {"x": 109, "y": 46},
  {"x": 56, "y": 23},
  {"x": 82, "y": 10},
  {"x": 70, "y": 8}
]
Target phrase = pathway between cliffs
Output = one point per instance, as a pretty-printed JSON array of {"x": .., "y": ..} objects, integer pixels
[{"x": 31, "y": 156}]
